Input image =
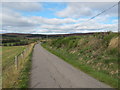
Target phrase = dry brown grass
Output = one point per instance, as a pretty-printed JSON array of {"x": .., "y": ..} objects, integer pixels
[{"x": 113, "y": 43}]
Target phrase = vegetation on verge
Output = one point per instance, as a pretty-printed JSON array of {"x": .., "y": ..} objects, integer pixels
[
  {"x": 24, "y": 75},
  {"x": 95, "y": 54}
]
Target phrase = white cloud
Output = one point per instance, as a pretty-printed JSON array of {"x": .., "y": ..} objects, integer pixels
[
  {"x": 95, "y": 26},
  {"x": 13, "y": 21},
  {"x": 58, "y": 27},
  {"x": 45, "y": 25},
  {"x": 78, "y": 10},
  {"x": 23, "y": 6},
  {"x": 43, "y": 20},
  {"x": 74, "y": 10}
]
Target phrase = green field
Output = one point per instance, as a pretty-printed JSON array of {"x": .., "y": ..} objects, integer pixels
[{"x": 8, "y": 54}]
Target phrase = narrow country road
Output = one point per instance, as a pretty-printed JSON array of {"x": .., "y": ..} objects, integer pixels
[{"x": 49, "y": 71}]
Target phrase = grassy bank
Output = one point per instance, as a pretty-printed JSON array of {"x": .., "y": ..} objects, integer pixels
[
  {"x": 23, "y": 81},
  {"x": 12, "y": 76},
  {"x": 96, "y": 55}
]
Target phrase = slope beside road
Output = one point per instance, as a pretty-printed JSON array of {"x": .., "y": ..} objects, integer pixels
[{"x": 49, "y": 71}]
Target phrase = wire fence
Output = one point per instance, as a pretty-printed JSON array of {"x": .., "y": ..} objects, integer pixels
[{"x": 20, "y": 59}]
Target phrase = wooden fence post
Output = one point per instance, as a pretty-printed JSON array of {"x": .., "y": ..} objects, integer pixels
[
  {"x": 16, "y": 62},
  {"x": 22, "y": 61},
  {"x": 24, "y": 52},
  {"x": 22, "y": 55}
]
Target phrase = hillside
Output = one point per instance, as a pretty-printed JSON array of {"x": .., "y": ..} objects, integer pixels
[
  {"x": 29, "y": 36},
  {"x": 21, "y": 35},
  {"x": 95, "y": 54}
]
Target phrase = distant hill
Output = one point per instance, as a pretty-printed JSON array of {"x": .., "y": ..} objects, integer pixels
[{"x": 22, "y": 35}]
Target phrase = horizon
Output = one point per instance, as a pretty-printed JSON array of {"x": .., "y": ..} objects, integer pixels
[{"x": 58, "y": 33}]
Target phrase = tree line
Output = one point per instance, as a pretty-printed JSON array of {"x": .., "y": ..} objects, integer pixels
[{"x": 14, "y": 42}]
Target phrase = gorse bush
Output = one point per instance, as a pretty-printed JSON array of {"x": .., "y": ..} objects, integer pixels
[{"x": 67, "y": 42}]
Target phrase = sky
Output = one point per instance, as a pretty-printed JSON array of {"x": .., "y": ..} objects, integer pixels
[{"x": 57, "y": 17}]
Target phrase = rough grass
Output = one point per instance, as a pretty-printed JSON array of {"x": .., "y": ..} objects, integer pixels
[
  {"x": 11, "y": 75},
  {"x": 91, "y": 54}
]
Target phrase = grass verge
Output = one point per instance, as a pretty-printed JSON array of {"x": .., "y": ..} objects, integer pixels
[
  {"x": 24, "y": 76},
  {"x": 23, "y": 81}
]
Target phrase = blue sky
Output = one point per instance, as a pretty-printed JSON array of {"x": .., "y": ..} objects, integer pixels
[
  {"x": 48, "y": 10},
  {"x": 56, "y": 17}
]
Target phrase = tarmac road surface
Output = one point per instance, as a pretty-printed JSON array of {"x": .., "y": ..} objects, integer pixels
[{"x": 49, "y": 71}]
